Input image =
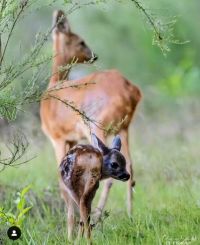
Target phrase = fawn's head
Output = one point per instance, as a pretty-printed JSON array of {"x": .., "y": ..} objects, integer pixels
[
  {"x": 114, "y": 163},
  {"x": 68, "y": 44}
]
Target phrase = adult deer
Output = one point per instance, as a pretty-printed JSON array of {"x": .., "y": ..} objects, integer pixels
[{"x": 110, "y": 98}]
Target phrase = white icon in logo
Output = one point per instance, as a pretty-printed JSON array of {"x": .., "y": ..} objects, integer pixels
[{"x": 14, "y": 233}]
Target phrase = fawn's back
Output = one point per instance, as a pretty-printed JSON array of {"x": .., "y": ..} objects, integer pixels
[{"x": 81, "y": 168}]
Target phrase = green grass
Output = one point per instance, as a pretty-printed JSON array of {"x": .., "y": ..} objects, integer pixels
[{"x": 166, "y": 205}]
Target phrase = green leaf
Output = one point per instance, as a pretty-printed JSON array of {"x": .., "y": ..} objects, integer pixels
[
  {"x": 21, "y": 204},
  {"x": 24, "y": 211},
  {"x": 11, "y": 220},
  {"x": 25, "y": 190},
  {"x": 8, "y": 214},
  {"x": 21, "y": 216}
]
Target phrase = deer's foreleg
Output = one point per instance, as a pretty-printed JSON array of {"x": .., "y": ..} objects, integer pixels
[
  {"x": 103, "y": 198},
  {"x": 125, "y": 150},
  {"x": 107, "y": 183},
  {"x": 60, "y": 149}
]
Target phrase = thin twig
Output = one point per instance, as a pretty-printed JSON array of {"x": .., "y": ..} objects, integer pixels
[
  {"x": 11, "y": 30},
  {"x": 149, "y": 18},
  {"x": 1, "y": 11},
  {"x": 17, "y": 149},
  {"x": 75, "y": 109}
]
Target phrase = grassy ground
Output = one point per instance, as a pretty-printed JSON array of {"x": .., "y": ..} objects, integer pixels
[{"x": 167, "y": 201}]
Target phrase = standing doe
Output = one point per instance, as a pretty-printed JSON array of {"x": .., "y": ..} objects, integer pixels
[
  {"x": 81, "y": 170},
  {"x": 111, "y": 98}
]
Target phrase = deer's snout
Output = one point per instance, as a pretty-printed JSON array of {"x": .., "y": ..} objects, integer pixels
[
  {"x": 124, "y": 176},
  {"x": 95, "y": 57}
]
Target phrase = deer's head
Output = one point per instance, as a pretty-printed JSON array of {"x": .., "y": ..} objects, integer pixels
[
  {"x": 68, "y": 44},
  {"x": 114, "y": 163}
]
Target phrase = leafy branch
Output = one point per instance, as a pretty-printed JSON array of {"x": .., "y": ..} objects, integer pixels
[
  {"x": 149, "y": 18},
  {"x": 163, "y": 31}
]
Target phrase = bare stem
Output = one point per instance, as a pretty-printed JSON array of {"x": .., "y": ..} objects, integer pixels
[
  {"x": 22, "y": 6},
  {"x": 149, "y": 18}
]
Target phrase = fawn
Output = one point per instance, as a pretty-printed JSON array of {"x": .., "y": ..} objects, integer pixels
[{"x": 81, "y": 170}]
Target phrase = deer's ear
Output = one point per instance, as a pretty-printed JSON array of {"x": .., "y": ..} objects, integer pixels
[
  {"x": 60, "y": 22},
  {"x": 116, "y": 144},
  {"x": 99, "y": 144}
]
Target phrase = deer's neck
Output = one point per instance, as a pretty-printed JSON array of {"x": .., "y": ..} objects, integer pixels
[
  {"x": 60, "y": 71},
  {"x": 105, "y": 173}
]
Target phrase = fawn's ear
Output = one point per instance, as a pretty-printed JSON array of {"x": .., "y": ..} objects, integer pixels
[
  {"x": 116, "y": 144},
  {"x": 60, "y": 22},
  {"x": 99, "y": 144}
]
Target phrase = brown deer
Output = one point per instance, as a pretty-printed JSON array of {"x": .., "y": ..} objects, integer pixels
[
  {"x": 81, "y": 170},
  {"x": 110, "y": 98}
]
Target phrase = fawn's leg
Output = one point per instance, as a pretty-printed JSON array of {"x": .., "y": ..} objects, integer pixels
[
  {"x": 125, "y": 150},
  {"x": 85, "y": 206},
  {"x": 85, "y": 209}
]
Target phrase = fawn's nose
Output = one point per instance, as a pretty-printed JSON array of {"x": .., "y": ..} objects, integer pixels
[
  {"x": 95, "y": 57},
  {"x": 124, "y": 176}
]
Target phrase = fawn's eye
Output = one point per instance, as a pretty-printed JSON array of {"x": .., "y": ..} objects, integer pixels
[
  {"x": 82, "y": 43},
  {"x": 114, "y": 165}
]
